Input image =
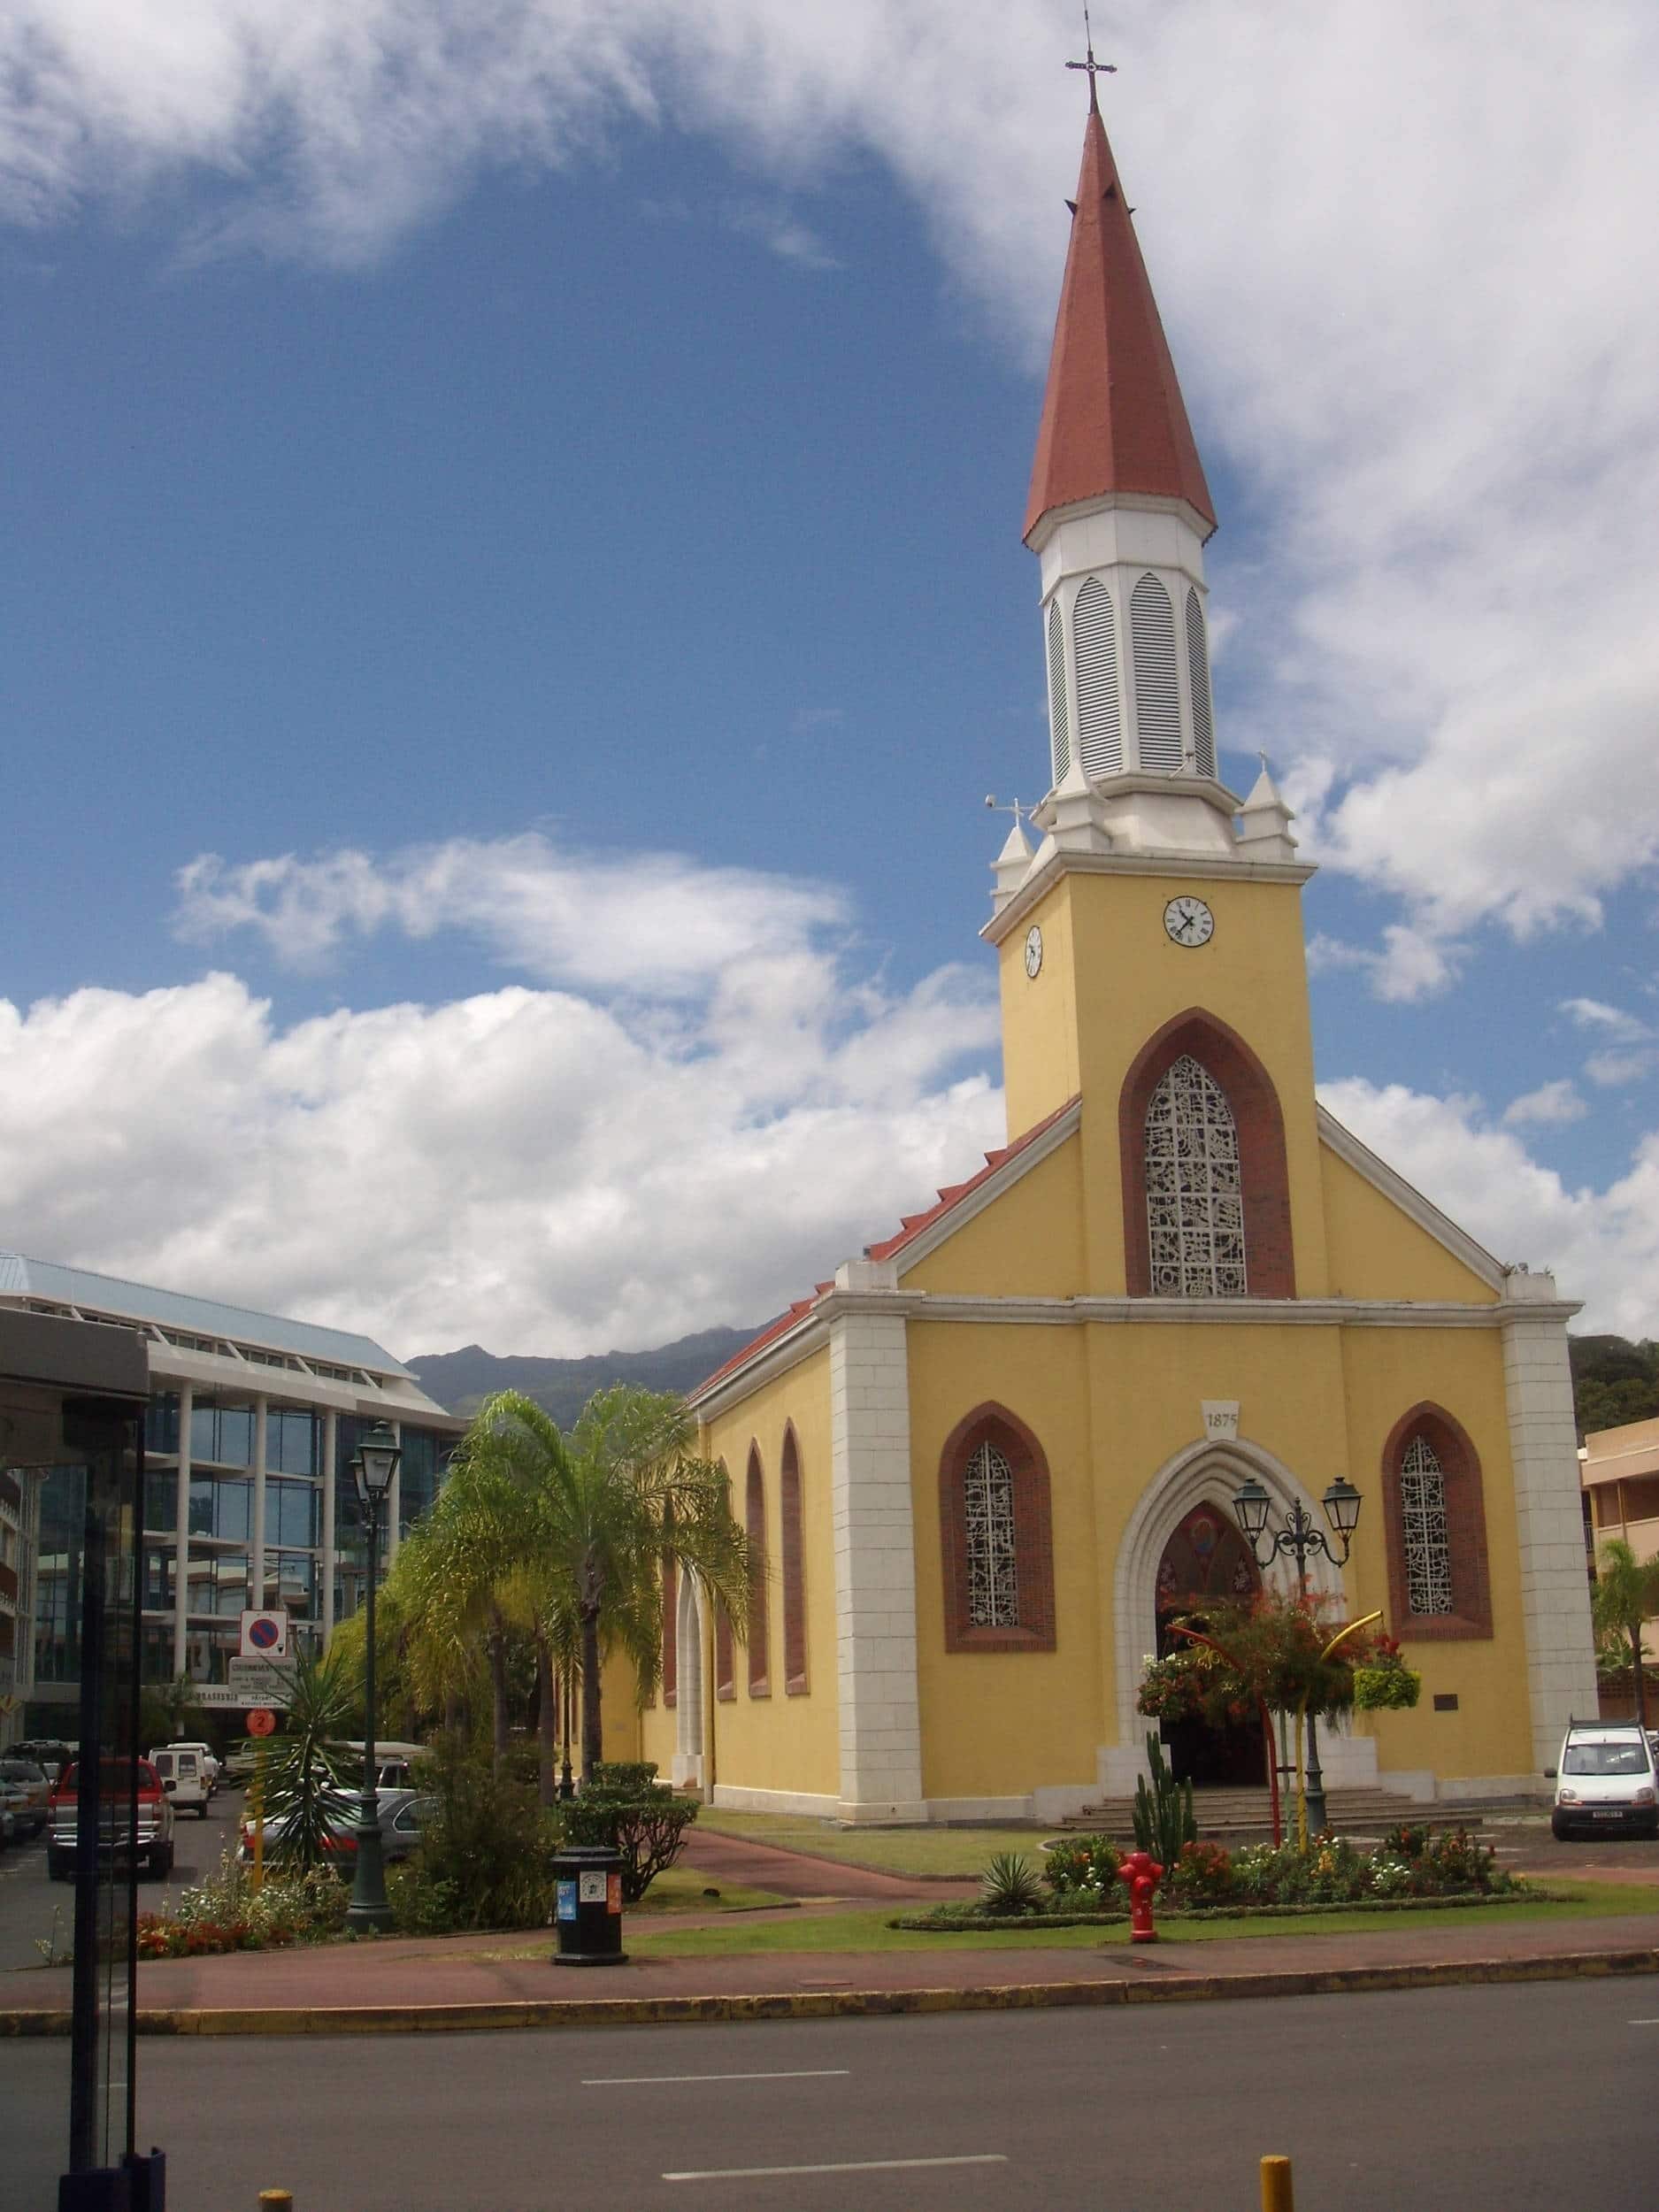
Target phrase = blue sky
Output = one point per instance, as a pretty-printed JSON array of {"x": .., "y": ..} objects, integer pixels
[{"x": 515, "y": 605}]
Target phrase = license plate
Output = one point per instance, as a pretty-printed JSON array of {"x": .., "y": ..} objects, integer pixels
[{"x": 1615, "y": 1815}]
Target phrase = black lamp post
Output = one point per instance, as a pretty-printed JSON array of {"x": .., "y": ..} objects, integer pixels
[
  {"x": 375, "y": 1466},
  {"x": 1298, "y": 1537}
]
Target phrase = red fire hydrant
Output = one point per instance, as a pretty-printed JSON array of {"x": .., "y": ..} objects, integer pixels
[{"x": 1141, "y": 1874}]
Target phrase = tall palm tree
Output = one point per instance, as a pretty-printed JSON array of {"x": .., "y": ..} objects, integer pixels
[
  {"x": 605, "y": 1509},
  {"x": 1624, "y": 1594}
]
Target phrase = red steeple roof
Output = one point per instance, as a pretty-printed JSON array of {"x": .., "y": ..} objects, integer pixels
[{"x": 1113, "y": 418}]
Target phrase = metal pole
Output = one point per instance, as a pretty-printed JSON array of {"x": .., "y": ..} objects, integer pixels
[
  {"x": 1319, "y": 1816},
  {"x": 368, "y": 1911}
]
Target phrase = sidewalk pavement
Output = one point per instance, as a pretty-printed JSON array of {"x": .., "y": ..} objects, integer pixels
[{"x": 427, "y": 1984}]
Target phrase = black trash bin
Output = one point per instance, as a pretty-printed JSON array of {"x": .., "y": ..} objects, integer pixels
[{"x": 588, "y": 1912}]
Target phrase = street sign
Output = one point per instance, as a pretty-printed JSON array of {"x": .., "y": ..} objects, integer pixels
[
  {"x": 258, "y": 1682},
  {"x": 265, "y": 1635},
  {"x": 261, "y": 1722}
]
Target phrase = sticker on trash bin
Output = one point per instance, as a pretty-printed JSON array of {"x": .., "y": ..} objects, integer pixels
[
  {"x": 593, "y": 1888},
  {"x": 567, "y": 1900},
  {"x": 613, "y": 1894}
]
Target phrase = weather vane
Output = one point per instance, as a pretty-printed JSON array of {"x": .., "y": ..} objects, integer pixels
[
  {"x": 1020, "y": 813},
  {"x": 1095, "y": 68}
]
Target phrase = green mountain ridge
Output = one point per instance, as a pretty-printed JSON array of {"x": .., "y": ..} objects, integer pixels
[{"x": 463, "y": 1379}]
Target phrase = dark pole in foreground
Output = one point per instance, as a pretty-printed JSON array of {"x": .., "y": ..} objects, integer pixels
[
  {"x": 1252, "y": 1505},
  {"x": 373, "y": 1466}
]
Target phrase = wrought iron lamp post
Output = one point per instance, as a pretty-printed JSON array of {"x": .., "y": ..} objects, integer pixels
[
  {"x": 373, "y": 1466},
  {"x": 1252, "y": 1507}
]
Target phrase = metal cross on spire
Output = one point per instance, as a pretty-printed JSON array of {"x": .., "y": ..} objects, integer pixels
[{"x": 1095, "y": 68}]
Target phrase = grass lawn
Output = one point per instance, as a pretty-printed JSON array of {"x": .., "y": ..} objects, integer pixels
[
  {"x": 962, "y": 1851},
  {"x": 867, "y": 1930},
  {"x": 682, "y": 1889}
]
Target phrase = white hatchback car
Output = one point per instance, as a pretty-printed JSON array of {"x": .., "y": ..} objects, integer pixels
[{"x": 1606, "y": 1782}]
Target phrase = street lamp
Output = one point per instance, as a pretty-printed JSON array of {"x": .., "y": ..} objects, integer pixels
[
  {"x": 1252, "y": 1507},
  {"x": 373, "y": 1466}
]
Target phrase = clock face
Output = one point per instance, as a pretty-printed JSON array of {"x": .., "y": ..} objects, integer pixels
[
  {"x": 1189, "y": 922},
  {"x": 1034, "y": 950}
]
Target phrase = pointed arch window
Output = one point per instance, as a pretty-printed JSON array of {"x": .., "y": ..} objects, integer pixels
[
  {"x": 1059, "y": 723},
  {"x": 1100, "y": 735},
  {"x": 671, "y": 1634},
  {"x": 1194, "y": 1187},
  {"x": 754, "y": 1524},
  {"x": 1436, "y": 1529},
  {"x": 1198, "y": 685},
  {"x": 794, "y": 1683},
  {"x": 724, "y": 1667},
  {"x": 1157, "y": 699},
  {"x": 994, "y": 1527}
]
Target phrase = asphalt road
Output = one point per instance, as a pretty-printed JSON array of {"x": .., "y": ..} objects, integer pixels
[
  {"x": 1528, "y": 2098},
  {"x": 28, "y": 1902}
]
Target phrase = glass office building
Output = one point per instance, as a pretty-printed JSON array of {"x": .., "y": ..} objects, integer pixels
[{"x": 249, "y": 1497}]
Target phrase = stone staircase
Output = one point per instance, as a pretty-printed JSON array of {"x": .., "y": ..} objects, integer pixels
[{"x": 1245, "y": 1815}]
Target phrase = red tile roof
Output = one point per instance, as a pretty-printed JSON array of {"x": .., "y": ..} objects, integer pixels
[
  {"x": 910, "y": 1225},
  {"x": 1113, "y": 419}
]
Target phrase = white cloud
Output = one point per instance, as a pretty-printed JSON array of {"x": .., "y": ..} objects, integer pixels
[
  {"x": 523, "y": 1167},
  {"x": 1613, "y": 1069},
  {"x": 1410, "y": 966},
  {"x": 1601, "y": 1245},
  {"x": 1421, "y": 339},
  {"x": 1550, "y": 1105},
  {"x": 1590, "y": 1013},
  {"x": 657, "y": 923}
]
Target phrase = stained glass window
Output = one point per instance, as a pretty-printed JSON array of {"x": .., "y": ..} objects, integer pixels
[
  {"x": 993, "y": 1577},
  {"x": 1423, "y": 1510},
  {"x": 1195, "y": 1188}
]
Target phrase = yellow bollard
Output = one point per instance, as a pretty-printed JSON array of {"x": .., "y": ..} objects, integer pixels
[
  {"x": 1277, "y": 2193},
  {"x": 277, "y": 2199}
]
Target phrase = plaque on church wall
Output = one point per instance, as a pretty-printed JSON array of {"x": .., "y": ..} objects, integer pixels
[{"x": 1221, "y": 1416}]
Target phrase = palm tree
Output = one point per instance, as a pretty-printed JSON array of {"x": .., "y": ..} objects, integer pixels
[
  {"x": 1624, "y": 1594},
  {"x": 602, "y": 1510}
]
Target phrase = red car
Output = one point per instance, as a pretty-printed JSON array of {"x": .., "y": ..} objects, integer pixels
[{"x": 152, "y": 1843}]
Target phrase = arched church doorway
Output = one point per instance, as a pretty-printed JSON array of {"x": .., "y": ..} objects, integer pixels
[{"x": 1206, "y": 1560}]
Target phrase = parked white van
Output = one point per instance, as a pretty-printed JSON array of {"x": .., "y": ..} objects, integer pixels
[
  {"x": 1607, "y": 1781},
  {"x": 183, "y": 1777}
]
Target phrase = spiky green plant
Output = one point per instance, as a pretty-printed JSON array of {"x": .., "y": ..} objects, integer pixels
[{"x": 1164, "y": 1813}]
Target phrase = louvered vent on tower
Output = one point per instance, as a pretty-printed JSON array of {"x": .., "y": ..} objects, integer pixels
[
  {"x": 1198, "y": 682},
  {"x": 1059, "y": 726},
  {"x": 1099, "y": 736},
  {"x": 1157, "y": 700}
]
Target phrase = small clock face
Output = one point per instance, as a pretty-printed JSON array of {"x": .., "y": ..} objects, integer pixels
[
  {"x": 1189, "y": 922},
  {"x": 1034, "y": 950}
]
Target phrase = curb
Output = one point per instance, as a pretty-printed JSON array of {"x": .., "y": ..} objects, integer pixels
[{"x": 843, "y": 2004}]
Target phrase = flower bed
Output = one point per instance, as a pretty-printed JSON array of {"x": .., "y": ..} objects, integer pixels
[
  {"x": 1412, "y": 1866},
  {"x": 227, "y": 1913}
]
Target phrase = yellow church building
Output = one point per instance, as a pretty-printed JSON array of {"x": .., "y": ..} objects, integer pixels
[{"x": 979, "y": 1459}]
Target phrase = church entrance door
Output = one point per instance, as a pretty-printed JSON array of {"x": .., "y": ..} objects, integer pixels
[{"x": 1204, "y": 1560}]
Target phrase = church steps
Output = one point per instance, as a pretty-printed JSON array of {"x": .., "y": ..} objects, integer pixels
[{"x": 1247, "y": 1813}]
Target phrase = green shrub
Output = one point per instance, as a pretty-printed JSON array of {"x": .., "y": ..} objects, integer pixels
[
  {"x": 1202, "y": 1875},
  {"x": 486, "y": 1853},
  {"x": 626, "y": 1809},
  {"x": 1082, "y": 1866},
  {"x": 1011, "y": 1885}
]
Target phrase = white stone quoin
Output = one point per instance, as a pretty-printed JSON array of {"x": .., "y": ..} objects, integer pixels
[
  {"x": 1549, "y": 1517},
  {"x": 875, "y": 1556}
]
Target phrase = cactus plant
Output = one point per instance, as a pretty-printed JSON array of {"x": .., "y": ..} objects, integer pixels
[{"x": 1163, "y": 1815}]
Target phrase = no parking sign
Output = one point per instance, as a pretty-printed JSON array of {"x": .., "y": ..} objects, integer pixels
[{"x": 265, "y": 1635}]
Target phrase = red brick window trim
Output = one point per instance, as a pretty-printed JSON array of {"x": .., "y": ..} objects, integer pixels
[
  {"x": 795, "y": 1684},
  {"x": 755, "y": 1523},
  {"x": 1270, "y": 1266},
  {"x": 1465, "y": 1529},
  {"x": 1033, "y": 1549}
]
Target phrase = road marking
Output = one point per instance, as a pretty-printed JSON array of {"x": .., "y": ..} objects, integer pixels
[
  {"x": 636, "y": 2081},
  {"x": 847, "y": 2166},
  {"x": 1643, "y": 2023}
]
